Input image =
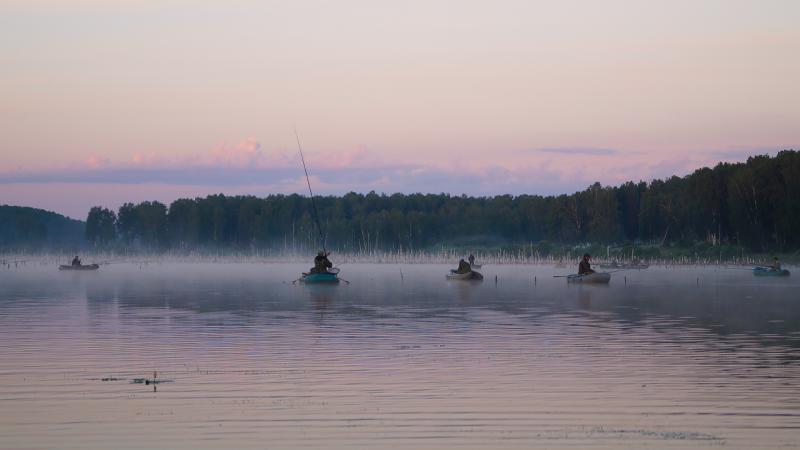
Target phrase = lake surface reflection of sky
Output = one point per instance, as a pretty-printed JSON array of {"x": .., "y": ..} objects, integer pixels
[{"x": 677, "y": 358}]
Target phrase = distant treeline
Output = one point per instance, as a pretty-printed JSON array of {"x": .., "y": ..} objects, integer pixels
[
  {"x": 755, "y": 205},
  {"x": 29, "y": 228}
]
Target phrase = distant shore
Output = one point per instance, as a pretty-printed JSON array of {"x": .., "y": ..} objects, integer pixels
[{"x": 676, "y": 257}]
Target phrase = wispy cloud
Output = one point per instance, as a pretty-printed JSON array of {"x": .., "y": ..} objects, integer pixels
[
  {"x": 740, "y": 153},
  {"x": 580, "y": 151},
  {"x": 400, "y": 178}
]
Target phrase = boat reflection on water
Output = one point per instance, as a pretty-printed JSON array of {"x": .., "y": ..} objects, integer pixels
[
  {"x": 413, "y": 360},
  {"x": 718, "y": 303},
  {"x": 321, "y": 296}
]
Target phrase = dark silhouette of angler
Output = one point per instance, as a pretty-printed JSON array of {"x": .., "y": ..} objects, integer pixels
[
  {"x": 585, "y": 268},
  {"x": 321, "y": 263}
]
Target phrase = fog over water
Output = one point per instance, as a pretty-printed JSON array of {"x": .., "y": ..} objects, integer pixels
[{"x": 665, "y": 358}]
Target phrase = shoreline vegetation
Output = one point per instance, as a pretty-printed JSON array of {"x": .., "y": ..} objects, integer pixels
[
  {"x": 444, "y": 256},
  {"x": 734, "y": 212}
]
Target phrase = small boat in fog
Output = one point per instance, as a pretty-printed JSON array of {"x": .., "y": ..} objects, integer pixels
[
  {"x": 770, "y": 272},
  {"x": 79, "y": 267},
  {"x": 595, "y": 278},
  {"x": 330, "y": 276},
  {"x": 471, "y": 275},
  {"x": 464, "y": 271}
]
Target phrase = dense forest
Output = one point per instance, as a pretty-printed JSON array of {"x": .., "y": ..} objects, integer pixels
[
  {"x": 753, "y": 205},
  {"x": 30, "y": 228}
]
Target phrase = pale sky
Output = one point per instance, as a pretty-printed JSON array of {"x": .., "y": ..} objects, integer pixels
[{"x": 103, "y": 102}]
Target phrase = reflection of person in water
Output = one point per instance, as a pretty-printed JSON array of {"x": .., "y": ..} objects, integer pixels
[
  {"x": 585, "y": 298},
  {"x": 321, "y": 263},
  {"x": 321, "y": 298}
]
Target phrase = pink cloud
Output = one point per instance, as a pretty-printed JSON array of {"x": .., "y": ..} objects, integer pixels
[
  {"x": 247, "y": 153},
  {"x": 97, "y": 162},
  {"x": 148, "y": 159}
]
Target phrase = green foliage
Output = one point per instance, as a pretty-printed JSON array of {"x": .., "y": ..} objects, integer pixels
[
  {"x": 145, "y": 224},
  {"x": 752, "y": 206},
  {"x": 100, "y": 226},
  {"x": 24, "y": 228}
]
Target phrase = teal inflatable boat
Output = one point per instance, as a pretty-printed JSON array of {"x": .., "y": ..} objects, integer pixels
[
  {"x": 769, "y": 272},
  {"x": 331, "y": 276}
]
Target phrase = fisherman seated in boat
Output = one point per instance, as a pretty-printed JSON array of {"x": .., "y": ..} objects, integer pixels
[
  {"x": 584, "y": 268},
  {"x": 463, "y": 267},
  {"x": 321, "y": 263},
  {"x": 471, "y": 259},
  {"x": 776, "y": 265},
  {"x": 76, "y": 261}
]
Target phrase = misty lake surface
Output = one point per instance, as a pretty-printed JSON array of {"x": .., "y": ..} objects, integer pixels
[{"x": 660, "y": 358}]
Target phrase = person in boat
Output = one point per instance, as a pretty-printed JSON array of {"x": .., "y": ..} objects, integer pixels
[
  {"x": 321, "y": 262},
  {"x": 76, "y": 261},
  {"x": 776, "y": 265},
  {"x": 585, "y": 268},
  {"x": 463, "y": 267},
  {"x": 471, "y": 259}
]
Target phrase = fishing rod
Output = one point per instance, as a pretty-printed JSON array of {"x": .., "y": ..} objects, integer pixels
[{"x": 310, "y": 192}]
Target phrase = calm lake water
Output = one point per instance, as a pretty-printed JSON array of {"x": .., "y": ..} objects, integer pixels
[{"x": 660, "y": 358}]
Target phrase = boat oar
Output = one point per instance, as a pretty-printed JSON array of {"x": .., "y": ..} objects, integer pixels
[{"x": 342, "y": 279}]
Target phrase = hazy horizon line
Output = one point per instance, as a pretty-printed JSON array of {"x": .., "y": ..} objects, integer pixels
[{"x": 195, "y": 191}]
